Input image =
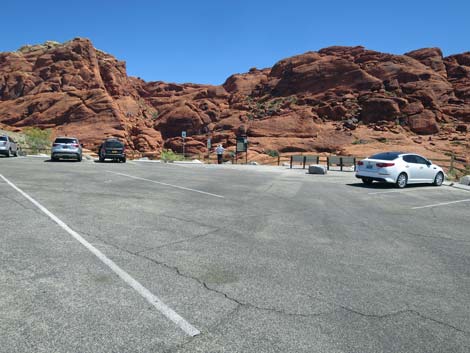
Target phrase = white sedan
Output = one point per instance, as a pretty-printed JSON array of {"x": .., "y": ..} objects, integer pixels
[{"x": 400, "y": 169}]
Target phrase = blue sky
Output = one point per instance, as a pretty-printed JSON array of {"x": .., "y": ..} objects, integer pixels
[{"x": 206, "y": 41}]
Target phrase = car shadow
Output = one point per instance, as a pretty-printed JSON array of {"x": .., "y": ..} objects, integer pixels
[
  {"x": 61, "y": 161},
  {"x": 385, "y": 186},
  {"x": 105, "y": 161}
]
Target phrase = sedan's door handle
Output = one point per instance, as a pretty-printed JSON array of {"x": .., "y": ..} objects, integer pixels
[{"x": 407, "y": 166}]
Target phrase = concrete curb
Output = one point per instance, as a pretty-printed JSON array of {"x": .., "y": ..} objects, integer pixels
[{"x": 457, "y": 185}]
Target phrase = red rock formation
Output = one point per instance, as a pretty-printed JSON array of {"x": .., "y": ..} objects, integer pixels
[{"x": 319, "y": 101}]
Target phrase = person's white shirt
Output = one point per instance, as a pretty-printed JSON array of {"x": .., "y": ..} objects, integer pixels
[{"x": 220, "y": 149}]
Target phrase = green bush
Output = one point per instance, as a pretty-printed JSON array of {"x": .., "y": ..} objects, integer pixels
[
  {"x": 170, "y": 156},
  {"x": 359, "y": 142},
  {"x": 272, "y": 153},
  {"x": 37, "y": 139}
]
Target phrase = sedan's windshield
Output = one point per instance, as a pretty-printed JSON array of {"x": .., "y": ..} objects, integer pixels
[{"x": 3, "y": 138}]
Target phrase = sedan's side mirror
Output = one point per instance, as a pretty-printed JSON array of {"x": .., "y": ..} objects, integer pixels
[{"x": 428, "y": 162}]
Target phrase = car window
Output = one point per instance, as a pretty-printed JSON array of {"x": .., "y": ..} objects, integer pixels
[
  {"x": 421, "y": 160},
  {"x": 3, "y": 138},
  {"x": 387, "y": 156},
  {"x": 410, "y": 158},
  {"x": 113, "y": 144},
  {"x": 65, "y": 140}
]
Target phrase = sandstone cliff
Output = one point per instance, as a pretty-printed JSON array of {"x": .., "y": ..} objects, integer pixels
[{"x": 339, "y": 100}]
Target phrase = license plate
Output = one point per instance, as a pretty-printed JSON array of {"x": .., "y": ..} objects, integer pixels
[
  {"x": 369, "y": 166},
  {"x": 114, "y": 152}
]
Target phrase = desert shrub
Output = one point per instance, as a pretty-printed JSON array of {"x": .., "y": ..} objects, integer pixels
[
  {"x": 359, "y": 142},
  {"x": 170, "y": 156},
  {"x": 272, "y": 153},
  {"x": 37, "y": 139}
]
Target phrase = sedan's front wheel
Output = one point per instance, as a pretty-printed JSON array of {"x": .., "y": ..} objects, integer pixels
[
  {"x": 402, "y": 180},
  {"x": 367, "y": 181},
  {"x": 439, "y": 179}
]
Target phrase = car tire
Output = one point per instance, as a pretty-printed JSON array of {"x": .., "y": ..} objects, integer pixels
[
  {"x": 123, "y": 160},
  {"x": 16, "y": 153},
  {"x": 79, "y": 158},
  {"x": 439, "y": 179},
  {"x": 367, "y": 181},
  {"x": 402, "y": 180},
  {"x": 9, "y": 154},
  {"x": 53, "y": 159}
]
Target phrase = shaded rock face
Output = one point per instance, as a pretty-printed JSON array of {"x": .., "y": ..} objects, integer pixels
[
  {"x": 309, "y": 102},
  {"x": 76, "y": 90}
]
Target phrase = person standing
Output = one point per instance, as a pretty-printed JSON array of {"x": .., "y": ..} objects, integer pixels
[{"x": 220, "y": 153}]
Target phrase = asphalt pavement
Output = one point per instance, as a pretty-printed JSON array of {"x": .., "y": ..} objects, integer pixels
[{"x": 155, "y": 257}]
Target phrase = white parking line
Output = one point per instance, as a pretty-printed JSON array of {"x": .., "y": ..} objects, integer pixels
[
  {"x": 166, "y": 184},
  {"x": 144, "y": 292},
  {"x": 441, "y": 204},
  {"x": 384, "y": 192}
]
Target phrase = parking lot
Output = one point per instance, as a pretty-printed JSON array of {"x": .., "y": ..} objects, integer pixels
[{"x": 153, "y": 257}]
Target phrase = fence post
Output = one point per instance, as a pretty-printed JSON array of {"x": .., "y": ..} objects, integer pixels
[
  {"x": 327, "y": 163},
  {"x": 291, "y": 157},
  {"x": 278, "y": 159},
  {"x": 452, "y": 157},
  {"x": 304, "y": 161}
]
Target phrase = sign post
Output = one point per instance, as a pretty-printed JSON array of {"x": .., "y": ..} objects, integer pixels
[
  {"x": 242, "y": 146},
  {"x": 209, "y": 146},
  {"x": 183, "y": 135}
]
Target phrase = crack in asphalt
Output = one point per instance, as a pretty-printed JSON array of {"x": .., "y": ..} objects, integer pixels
[
  {"x": 203, "y": 283},
  {"x": 190, "y": 239},
  {"x": 402, "y": 312},
  {"x": 240, "y": 304},
  {"x": 34, "y": 209},
  {"x": 436, "y": 237}
]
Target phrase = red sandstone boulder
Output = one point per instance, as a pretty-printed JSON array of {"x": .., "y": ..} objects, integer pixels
[
  {"x": 423, "y": 123},
  {"x": 377, "y": 109},
  {"x": 431, "y": 57}
]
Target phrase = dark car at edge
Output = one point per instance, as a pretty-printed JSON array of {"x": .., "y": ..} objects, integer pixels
[{"x": 112, "y": 149}]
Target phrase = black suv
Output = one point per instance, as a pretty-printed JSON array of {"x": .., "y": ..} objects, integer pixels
[{"x": 113, "y": 149}]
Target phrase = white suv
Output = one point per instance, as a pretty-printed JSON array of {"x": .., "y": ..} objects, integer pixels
[
  {"x": 8, "y": 146},
  {"x": 66, "y": 148}
]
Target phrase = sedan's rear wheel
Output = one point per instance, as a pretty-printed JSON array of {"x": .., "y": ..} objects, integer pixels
[
  {"x": 367, "y": 181},
  {"x": 402, "y": 180},
  {"x": 439, "y": 179}
]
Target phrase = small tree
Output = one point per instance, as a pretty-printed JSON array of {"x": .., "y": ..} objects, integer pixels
[{"x": 37, "y": 139}]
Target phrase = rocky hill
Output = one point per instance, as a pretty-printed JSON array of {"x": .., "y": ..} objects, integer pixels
[{"x": 338, "y": 100}]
